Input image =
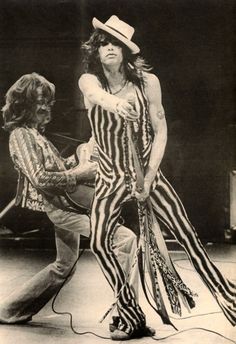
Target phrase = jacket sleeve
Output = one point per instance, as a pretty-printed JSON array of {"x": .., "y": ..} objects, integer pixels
[
  {"x": 69, "y": 162},
  {"x": 28, "y": 157}
]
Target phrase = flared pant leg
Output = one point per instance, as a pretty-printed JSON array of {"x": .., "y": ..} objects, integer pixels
[
  {"x": 170, "y": 211},
  {"x": 104, "y": 218},
  {"x": 28, "y": 299}
]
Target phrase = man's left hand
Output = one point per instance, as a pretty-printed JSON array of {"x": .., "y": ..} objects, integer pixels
[{"x": 144, "y": 194}]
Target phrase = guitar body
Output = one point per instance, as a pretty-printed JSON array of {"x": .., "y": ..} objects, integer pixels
[{"x": 82, "y": 197}]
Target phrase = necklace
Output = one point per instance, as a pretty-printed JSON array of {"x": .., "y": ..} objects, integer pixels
[{"x": 120, "y": 89}]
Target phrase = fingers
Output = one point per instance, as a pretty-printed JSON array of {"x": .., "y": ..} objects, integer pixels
[
  {"x": 93, "y": 164},
  {"x": 85, "y": 168},
  {"x": 92, "y": 169},
  {"x": 126, "y": 110},
  {"x": 130, "y": 116},
  {"x": 141, "y": 197}
]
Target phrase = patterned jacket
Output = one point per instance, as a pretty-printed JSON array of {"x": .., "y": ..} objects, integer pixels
[{"x": 42, "y": 171}]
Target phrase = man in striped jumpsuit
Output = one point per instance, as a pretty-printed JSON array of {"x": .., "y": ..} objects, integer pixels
[{"x": 120, "y": 93}]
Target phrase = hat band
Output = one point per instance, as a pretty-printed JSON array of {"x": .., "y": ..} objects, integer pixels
[{"x": 117, "y": 31}]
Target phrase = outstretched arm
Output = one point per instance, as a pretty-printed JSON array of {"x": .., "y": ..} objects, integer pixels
[{"x": 95, "y": 94}]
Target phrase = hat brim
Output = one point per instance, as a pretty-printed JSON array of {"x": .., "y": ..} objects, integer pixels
[{"x": 131, "y": 45}]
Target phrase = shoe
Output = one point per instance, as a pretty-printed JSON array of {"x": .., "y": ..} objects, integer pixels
[
  {"x": 114, "y": 325},
  {"x": 120, "y": 335},
  {"x": 17, "y": 322},
  {"x": 145, "y": 331}
]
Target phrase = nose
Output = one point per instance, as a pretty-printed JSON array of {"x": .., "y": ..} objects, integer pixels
[
  {"x": 110, "y": 46},
  {"x": 44, "y": 106}
]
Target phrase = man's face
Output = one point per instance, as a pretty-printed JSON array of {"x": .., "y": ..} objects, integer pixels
[
  {"x": 43, "y": 109},
  {"x": 110, "y": 52}
]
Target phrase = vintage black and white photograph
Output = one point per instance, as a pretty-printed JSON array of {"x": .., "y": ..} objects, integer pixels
[{"x": 117, "y": 171}]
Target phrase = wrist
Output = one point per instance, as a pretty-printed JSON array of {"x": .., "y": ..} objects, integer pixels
[
  {"x": 71, "y": 182},
  {"x": 74, "y": 173},
  {"x": 117, "y": 107},
  {"x": 147, "y": 183},
  {"x": 150, "y": 175}
]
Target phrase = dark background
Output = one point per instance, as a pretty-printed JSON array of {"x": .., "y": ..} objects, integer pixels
[{"x": 189, "y": 43}]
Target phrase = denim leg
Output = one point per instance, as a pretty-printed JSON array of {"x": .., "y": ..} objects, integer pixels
[
  {"x": 27, "y": 300},
  {"x": 125, "y": 247}
]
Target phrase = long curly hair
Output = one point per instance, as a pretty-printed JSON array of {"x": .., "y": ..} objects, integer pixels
[
  {"x": 133, "y": 65},
  {"x": 21, "y": 100}
]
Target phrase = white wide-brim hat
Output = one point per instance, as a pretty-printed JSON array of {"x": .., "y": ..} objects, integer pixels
[{"x": 119, "y": 29}]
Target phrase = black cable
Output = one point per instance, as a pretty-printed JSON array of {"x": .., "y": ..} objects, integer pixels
[
  {"x": 191, "y": 329},
  {"x": 68, "y": 313},
  {"x": 193, "y": 270},
  {"x": 223, "y": 261},
  {"x": 156, "y": 339},
  {"x": 213, "y": 260},
  {"x": 183, "y": 318},
  {"x": 188, "y": 269},
  {"x": 193, "y": 316},
  {"x": 196, "y": 316},
  {"x": 64, "y": 282}
]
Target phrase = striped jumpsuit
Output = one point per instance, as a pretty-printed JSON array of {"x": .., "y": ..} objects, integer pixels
[{"x": 114, "y": 180}]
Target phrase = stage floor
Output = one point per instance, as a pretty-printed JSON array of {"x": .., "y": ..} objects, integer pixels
[{"x": 88, "y": 296}]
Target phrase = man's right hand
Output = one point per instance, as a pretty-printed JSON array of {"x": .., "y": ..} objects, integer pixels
[
  {"x": 126, "y": 110},
  {"x": 85, "y": 171}
]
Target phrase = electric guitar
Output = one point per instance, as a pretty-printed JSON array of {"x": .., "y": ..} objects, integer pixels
[{"x": 82, "y": 197}]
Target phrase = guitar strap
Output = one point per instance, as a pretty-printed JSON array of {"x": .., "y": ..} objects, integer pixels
[{"x": 20, "y": 188}]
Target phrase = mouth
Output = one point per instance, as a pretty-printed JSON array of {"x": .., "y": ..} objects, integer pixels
[
  {"x": 111, "y": 55},
  {"x": 46, "y": 119}
]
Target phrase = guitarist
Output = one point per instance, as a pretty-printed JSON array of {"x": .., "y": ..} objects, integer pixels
[{"x": 45, "y": 181}]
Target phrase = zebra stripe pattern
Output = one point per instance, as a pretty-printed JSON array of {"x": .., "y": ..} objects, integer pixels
[
  {"x": 111, "y": 192},
  {"x": 170, "y": 211},
  {"x": 104, "y": 216}
]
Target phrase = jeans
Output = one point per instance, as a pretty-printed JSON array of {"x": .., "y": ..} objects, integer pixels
[{"x": 28, "y": 299}]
